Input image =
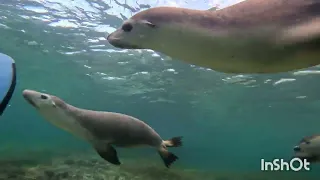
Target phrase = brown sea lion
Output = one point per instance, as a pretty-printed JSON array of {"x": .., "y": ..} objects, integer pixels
[
  {"x": 103, "y": 130},
  {"x": 253, "y": 36},
  {"x": 308, "y": 148}
]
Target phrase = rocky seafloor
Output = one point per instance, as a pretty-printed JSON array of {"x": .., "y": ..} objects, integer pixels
[{"x": 89, "y": 166}]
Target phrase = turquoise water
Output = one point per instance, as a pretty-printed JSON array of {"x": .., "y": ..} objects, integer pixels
[{"x": 229, "y": 122}]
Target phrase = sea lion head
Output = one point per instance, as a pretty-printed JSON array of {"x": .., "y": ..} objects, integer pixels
[
  {"x": 41, "y": 100},
  {"x": 133, "y": 34},
  {"x": 146, "y": 29},
  {"x": 308, "y": 148}
]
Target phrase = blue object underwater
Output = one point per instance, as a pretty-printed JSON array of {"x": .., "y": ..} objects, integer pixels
[{"x": 7, "y": 80}]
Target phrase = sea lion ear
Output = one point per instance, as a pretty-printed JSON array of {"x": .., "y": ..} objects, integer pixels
[
  {"x": 54, "y": 104},
  {"x": 148, "y": 23}
]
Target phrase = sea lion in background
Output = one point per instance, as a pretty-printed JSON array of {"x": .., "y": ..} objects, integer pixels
[
  {"x": 253, "y": 36},
  {"x": 103, "y": 130},
  {"x": 308, "y": 148}
]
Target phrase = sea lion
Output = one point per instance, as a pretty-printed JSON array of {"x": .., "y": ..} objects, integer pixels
[
  {"x": 308, "y": 148},
  {"x": 253, "y": 36},
  {"x": 103, "y": 130}
]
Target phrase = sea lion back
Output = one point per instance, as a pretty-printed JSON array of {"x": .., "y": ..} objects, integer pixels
[{"x": 120, "y": 129}]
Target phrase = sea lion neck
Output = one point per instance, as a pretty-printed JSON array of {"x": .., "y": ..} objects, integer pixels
[{"x": 70, "y": 109}]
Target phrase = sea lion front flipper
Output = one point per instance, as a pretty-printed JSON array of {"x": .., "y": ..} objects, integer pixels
[
  {"x": 108, "y": 153},
  {"x": 308, "y": 31}
]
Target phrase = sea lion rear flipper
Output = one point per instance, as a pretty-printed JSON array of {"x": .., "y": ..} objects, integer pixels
[
  {"x": 309, "y": 31},
  {"x": 167, "y": 157},
  {"x": 108, "y": 153},
  {"x": 174, "y": 142}
]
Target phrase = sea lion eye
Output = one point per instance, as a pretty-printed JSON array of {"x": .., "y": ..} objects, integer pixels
[
  {"x": 43, "y": 96},
  {"x": 127, "y": 27},
  {"x": 307, "y": 142}
]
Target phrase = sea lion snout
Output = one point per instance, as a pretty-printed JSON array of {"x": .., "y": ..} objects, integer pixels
[
  {"x": 300, "y": 152},
  {"x": 108, "y": 36},
  {"x": 119, "y": 42},
  {"x": 116, "y": 39},
  {"x": 36, "y": 98},
  {"x": 27, "y": 94},
  {"x": 133, "y": 34},
  {"x": 308, "y": 148},
  {"x": 296, "y": 149}
]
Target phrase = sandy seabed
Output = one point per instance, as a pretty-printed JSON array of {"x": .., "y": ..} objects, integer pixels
[{"x": 89, "y": 166}]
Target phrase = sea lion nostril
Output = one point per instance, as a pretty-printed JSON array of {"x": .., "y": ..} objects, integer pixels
[{"x": 297, "y": 149}]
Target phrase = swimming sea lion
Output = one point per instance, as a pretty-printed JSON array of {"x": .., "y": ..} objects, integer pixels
[
  {"x": 308, "y": 148},
  {"x": 103, "y": 130},
  {"x": 253, "y": 36}
]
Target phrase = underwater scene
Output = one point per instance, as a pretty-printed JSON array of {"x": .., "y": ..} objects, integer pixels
[{"x": 205, "y": 124}]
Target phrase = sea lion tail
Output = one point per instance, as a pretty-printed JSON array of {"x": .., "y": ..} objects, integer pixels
[
  {"x": 173, "y": 142},
  {"x": 167, "y": 157}
]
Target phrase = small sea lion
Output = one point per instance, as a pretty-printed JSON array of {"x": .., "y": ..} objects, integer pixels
[
  {"x": 253, "y": 36},
  {"x": 103, "y": 130},
  {"x": 308, "y": 148}
]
